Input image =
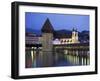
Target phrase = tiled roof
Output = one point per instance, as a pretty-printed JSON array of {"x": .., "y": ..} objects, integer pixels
[{"x": 47, "y": 27}]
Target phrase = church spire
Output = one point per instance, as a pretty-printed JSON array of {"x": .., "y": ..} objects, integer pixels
[{"x": 74, "y": 29}]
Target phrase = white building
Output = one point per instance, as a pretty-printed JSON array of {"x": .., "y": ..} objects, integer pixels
[
  {"x": 56, "y": 41},
  {"x": 73, "y": 39}
]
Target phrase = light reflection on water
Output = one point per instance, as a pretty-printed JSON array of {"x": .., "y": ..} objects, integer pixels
[{"x": 37, "y": 58}]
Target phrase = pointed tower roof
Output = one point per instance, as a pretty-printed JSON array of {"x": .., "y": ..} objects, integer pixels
[
  {"x": 74, "y": 29},
  {"x": 47, "y": 27}
]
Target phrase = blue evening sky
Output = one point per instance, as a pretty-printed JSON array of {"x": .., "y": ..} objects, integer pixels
[{"x": 58, "y": 21}]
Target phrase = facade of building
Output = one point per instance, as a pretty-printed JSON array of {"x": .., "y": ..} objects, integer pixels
[
  {"x": 65, "y": 40},
  {"x": 33, "y": 40}
]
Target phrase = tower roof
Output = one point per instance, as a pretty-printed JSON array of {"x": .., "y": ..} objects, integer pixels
[
  {"x": 47, "y": 27},
  {"x": 75, "y": 29}
]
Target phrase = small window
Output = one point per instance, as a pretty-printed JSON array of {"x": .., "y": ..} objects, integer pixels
[
  {"x": 61, "y": 41},
  {"x": 67, "y": 40}
]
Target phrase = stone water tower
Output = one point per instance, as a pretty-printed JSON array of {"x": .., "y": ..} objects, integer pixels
[{"x": 47, "y": 43}]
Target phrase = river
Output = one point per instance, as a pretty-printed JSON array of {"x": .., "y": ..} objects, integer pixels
[{"x": 36, "y": 58}]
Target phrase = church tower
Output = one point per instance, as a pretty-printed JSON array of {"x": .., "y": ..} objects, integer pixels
[
  {"x": 75, "y": 36},
  {"x": 47, "y": 42}
]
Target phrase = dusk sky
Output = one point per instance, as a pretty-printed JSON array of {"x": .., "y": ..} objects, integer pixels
[{"x": 58, "y": 21}]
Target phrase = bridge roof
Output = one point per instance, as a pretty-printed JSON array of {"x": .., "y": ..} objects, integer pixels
[{"x": 76, "y": 44}]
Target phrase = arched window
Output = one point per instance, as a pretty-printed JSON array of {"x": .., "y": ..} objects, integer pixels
[
  {"x": 67, "y": 40},
  {"x": 64, "y": 40},
  {"x": 75, "y": 34},
  {"x": 61, "y": 41}
]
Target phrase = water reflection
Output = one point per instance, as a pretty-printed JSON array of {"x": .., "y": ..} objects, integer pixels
[{"x": 35, "y": 57}]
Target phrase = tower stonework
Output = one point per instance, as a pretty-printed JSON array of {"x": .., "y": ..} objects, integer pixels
[{"x": 47, "y": 43}]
